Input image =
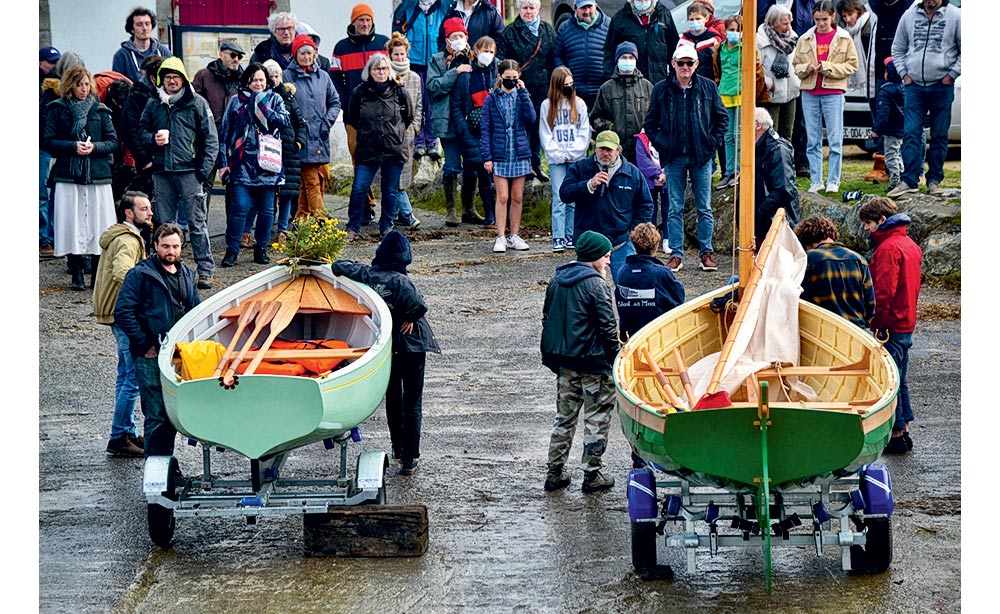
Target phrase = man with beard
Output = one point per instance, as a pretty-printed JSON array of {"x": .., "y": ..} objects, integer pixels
[
  {"x": 140, "y": 24},
  {"x": 122, "y": 247},
  {"x": 156, "y": 293}
]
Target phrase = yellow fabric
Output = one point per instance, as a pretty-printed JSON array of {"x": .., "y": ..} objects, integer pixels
[
  {"x": 199, "y": 358},
  {"x": 732, "y": 101}
]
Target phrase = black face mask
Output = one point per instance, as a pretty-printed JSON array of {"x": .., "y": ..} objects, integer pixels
[
  {"x": 509, "y": 83},
  {"x": 567, "y": 90}
]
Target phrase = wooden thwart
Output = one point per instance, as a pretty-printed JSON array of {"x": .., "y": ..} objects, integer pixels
[
  {"x": 313, "y": 294},
  {"x": 368, "y": 531},
  {"x": 310, "y": 354}
]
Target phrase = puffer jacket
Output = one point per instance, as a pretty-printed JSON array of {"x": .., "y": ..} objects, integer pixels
[
  {"x": 239, "y": 140},
  {"x": 493, "y": 134},
  {"x": 579, "y": 330},
  {"x": 470, "y": 92},
  {"x": 774, "y": 183},
  {"x": 621, "y": 106},
  {"x": 895, "y": 269},
  {"x": 320, "y": 106},
  {"x": 484, "y": 21},
  {"x": 121, "y": 249},
  {"x": 441, "y": 79},
  {"x": 518, "y": 43},
  {"x": 59, "y": 141},
  {"x": 615, "y": 211},
  {"x": 655, "y": 42},
  {"x": 381, "y": 119},
  {"x": 839, "y": 65},
  {"x": 144, "y": 309},
  {"x": 582, "y": 52},
  {"x": 782, "y": 89},
  {"x": 708, "y": 119},
  {"x": 420, "y": 28},
  {"x": 349, "y": 58},
  {"x": 293, "y": 138}
]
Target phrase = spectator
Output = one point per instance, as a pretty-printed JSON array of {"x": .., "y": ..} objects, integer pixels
[
  {"x": 49, "y": 93},
  {"x": 156, "y": 293},
  {"x": 293, "y": 139},
  {"x": 648, "y": 25},
  {"x": 278, "y": 46},
  {"x": 530, "y": 42},
  {"x": 889, "y": 13},
  {"x": 860, "y": 23},
  {"x": 80, "y": 136},
  {"x": 320, "y": 106},
  {"x": 647, "y": 160},
  {"x": 470, "y": 93},
  {"x": 704, "y": 39},
  {"x": 505, "y": 149},
  {"x": 889, "y": 123},
  {"x": 412, "y": 338},
  {"x": 646, "y": 288},
  {"x": 178, "y": 133},
  {"x": 776, "y": 44},
  {"x": 580, "y": 48},
  {"x": 623, "y": 100},
  {"x": 123, "y": 165},
  {"x": 895, "y": 269},
  {"x": 579, "y": 344},
  {"x": 47, "y": 59},
  {"x": 774, "y": 177},
  {"x": 122, "y": 247},
  {"x": 398, "y": 48},
  {"x": 140, "y": 24},
  {"x": 253, "y": 112},
  {"x": 479, "y": 18},
  {"x": 712, "y": 22},
  {"x": 216, "y": 83},
  {"x": 687, "y": 122},
  {"x": 611, "y": 197},
  {"x": 825, "y": 57},
  {"x": 564, "y": 131},
  {"x": 142, "y": 91},
  {"x": 927, "y": 52},
  {"x": 837, "y": 279},
  {"x": 382, "y": 112},
  {"x": 442, "y": 75},
  {"x": 322, "y": 63},
  {"x": 419, "y": 21}
]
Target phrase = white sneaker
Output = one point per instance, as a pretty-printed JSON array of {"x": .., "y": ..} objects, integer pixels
[
  {"x": 517, "y": 243},
  {"x": 816, "y": 188},
  {"x": 832, "y": 187},
  {"x": 500, "y": 245},
  {"x": 665, "y": 246}
]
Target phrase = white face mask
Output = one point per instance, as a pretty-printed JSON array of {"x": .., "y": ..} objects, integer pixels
[
  {"x": 626, "y": 65},
  {"x": 457, "y": 45},
  {"x": 485, "y": 57}
]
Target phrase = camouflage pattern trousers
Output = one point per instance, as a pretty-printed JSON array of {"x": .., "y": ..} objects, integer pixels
[{"x": 595, "y": 395}]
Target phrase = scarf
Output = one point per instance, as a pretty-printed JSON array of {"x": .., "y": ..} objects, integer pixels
[
  {"x": 169, "y": 99},
  {"x": 785, "y": 43},
  {"x": 79, "y": 166},
  {"x": 588, "y": 25},
  {"x": 378, "y": 88},
  {"x": 859, "y": 24},
  {"x": 533, "y": 25},
  {"x": 402, "y": 69},
  {"x": 251, "y": 113}
]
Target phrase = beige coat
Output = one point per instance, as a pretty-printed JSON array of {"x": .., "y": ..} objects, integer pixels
[
  {"x": 121, "y": 249},
  {"x": 840, "y": 64}
]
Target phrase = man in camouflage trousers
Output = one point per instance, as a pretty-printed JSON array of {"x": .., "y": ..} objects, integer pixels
[{"x": 579, "y": 344}]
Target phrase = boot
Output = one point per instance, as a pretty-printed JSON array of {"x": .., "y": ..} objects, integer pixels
[
  {"x": 878, "y": 174},
  {"x": 594, "y": 481},
  {"x": 246, "y": 242},
  {"x": 260, "y": 255},
  {"x": 469, "y": 215},
  {"x": 449, "y": 202},
  {"x": 230, "y": 258},
  {"x": 75, "y": 264},
  {"x": 557, "y": 478}
]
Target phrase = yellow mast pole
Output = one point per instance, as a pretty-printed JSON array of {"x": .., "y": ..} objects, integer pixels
[{"x": 748, "y": 79}]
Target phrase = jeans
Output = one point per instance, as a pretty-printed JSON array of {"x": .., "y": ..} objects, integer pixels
[
  {"x": 452, "y": 157},
  {"x": 404, "y": 403},
  {"x": 893, "y": 146},
  {"x": 677, "y": 172},
  {"x": 425, "y": 138},
  {"x": 364, "y": 174},
  {"x": 174, "y": 189},
  {"x": 618, "y": 257},
  {"x": 403, "y": 205},
  {"x": 562, "y": 213},
  {"x": 46, "y": 215},
  {"x": 284, "y": 211},
  {"x": 158, "y": 431},
  {"x": 126, "y": 388},
  {"x": 732, "y": 136},
  {"x": 259, "y": 199},
  {"x": 918, "y": 101},
  {"x": 898, "y": 346},
  {"x": 819, "y": 110}
]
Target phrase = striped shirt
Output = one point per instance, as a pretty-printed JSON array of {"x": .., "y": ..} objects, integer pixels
[{"x": 838, "y": 279}]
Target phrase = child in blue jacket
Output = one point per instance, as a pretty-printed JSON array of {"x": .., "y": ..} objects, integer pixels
[{"x": 889, "y": 122}]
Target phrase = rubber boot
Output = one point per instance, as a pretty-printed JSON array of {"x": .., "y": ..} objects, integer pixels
[
  {"x": 878, "y": 174},
  {"x": 451, "y": 219},
  {"x": 469, "y": 215},
  {"x": 75, "y": 264}
]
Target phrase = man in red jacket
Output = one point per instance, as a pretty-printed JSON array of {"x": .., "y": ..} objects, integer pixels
[{"x": 895, "y": 269}]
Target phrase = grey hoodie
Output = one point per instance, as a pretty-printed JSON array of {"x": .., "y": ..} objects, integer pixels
[{"x": 929, "y": 49}]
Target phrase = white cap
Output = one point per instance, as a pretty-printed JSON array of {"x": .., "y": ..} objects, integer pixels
[{"x": 685, "y": 50}]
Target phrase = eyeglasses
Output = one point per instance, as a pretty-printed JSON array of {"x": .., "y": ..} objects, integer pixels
[
  {"x": 380, "y": 68},
  {"x": 684, "y": 62},
  {"x": 285, "y": 29}
]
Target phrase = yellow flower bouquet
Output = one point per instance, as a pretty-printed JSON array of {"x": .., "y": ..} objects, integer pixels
[{"x": 311, "y": 240}]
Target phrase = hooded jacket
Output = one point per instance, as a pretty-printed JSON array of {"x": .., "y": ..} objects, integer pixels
[
  {"x": 581, "y": 50},
  {"x": 656, "y": 41},
  {"x": 59, "y": 141},
  {"x": 144, "y": 309},
  {"x": 646, "y": 289},
  {"x": 349, "y": 58},
  {"x": 579, "y": 330},
  {"x": 320, "y": 106},
  {"x": 928, "y": 50},
  {"x": 841, "y": 63},
  {"x": 621, "y": 106},
  {"x": 895, "y": 269},
  {"x": 774, "y": 183},
  {"x": 707, "y": 118},
  {"x": 215, "y": 83},
  {"x": 621, "y": 206},
  {"x": 381, "y": 119},
  {"x": 128, "y": 59},
  {"x": 122, "y": 247}
]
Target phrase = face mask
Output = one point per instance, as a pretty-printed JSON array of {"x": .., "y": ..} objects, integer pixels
[
  {"x": 567, "y": 90},
  {"x": 696, "y": 25},
  {"x": 626, "y": 65},
  {"x": 642, "y": 5},
  {"x": 485, "y": 57},
  {"x": 509, "y": 83},
  {"x": 733, "y": 38},
  {"x": 457, "y": 45}
]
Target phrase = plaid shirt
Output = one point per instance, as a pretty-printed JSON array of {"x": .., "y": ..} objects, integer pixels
[{"x": 838, "y": 279}]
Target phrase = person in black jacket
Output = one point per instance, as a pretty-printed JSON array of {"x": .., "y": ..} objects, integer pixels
[
  {"x": 646, "y": 288},
  {"x": 142, "y": 91},
  {"x": 156, "y": 293},
  {"x": 293, "y": 139},
  {"x": 579, "y": 344},
  {"x": 648, "y": 24},
  {"x": 412, "y": 338},
  {"x": 774, "y": 177}
]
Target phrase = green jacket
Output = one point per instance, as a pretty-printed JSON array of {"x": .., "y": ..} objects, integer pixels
[{"x": 121, "y": 249}]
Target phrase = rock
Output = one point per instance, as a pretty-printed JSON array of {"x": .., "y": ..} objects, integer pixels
[{"x": 341, "y": 175}]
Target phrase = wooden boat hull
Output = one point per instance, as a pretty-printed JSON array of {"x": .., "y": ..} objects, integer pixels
[
  {"x": 723, "y": 447},
  {"x": 267, "y": 414}
]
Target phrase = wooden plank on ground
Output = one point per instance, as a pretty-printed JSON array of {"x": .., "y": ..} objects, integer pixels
[{"x": 367, "y": 531}]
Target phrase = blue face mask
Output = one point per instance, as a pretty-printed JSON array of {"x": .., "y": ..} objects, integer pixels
[
  {"x": 733, "y": 38},
  {"x": 642, "y": 5},
  {"x": 626, "y": 65},
  {"x": 696, "y": 25}
]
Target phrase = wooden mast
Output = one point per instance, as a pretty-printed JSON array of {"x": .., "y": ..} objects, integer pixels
[{"x": 747, "y": 151}]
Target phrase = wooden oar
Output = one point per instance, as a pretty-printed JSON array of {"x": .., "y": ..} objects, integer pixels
[
  {"x": 264, "y": 317},
  {"x": 286, "y": 312},
  {"x": 246, "y": 316},
  {"x": 661, "y": 378},
  {"x": 685, "y": 378}
]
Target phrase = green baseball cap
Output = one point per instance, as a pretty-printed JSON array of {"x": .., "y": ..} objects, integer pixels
[{"x": 608, "y": 139}]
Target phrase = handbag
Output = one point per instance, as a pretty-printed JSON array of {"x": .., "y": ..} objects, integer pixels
[{"x": 268, "y": 153}]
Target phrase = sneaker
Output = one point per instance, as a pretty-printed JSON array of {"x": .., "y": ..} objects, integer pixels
[
  {"x": 665, "y": 246},
  {"x": 594, "y": 481},
  {"x": 832, "y": 187},
  {"x": 500, "y": 245},
  {"x": 816, "y": 188},
  {"x": 558, "y": 246},
  {"x": 122, "y": 447},
  {"x": 896, "y": 445},
  {"x": 556, "y": 478},
  {"x": 727, "y": 181},
  {"x": 401, "y": 220},
  {"x": 569, "y": 243},
  {"x": 935, "y": 189},
  {"x": 901, "y": 188},
  {"x": 515, "y": 242},
  {"x": 204, "y": 282},
  {"x": 408, "y": 466},
  {"x": 675, "y": 264},
  {"x": 708, "y": 262}
]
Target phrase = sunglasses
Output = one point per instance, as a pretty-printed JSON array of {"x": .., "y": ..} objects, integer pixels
[
  {"x": 684, "y": 62},
  {"x": 233, "y": 54}
]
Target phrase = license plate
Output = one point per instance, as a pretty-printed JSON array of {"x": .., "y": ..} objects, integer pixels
[{"x": 856, "y": 134}]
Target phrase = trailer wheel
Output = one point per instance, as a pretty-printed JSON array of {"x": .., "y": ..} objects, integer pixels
[
  {"x": 876, "y": 555},
  {"x": 160, "y": 519},
  {"x": 643, "y": 545}
]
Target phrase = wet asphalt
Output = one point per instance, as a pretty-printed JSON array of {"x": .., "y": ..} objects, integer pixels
[{"x": 498, "y": 542}]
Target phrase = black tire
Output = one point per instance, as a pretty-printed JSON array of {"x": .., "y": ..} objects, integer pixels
[
  {"x": 876, "y": 555},
  {"x": 160, "y": 520},
  {"x": 643, "y": 545}
]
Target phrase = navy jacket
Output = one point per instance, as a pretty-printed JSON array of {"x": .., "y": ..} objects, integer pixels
[
  {"x": 493, "y": 136},
  {"x": 646, "y": 289},
  {"x": 624, "y": 204},
  {"x": 579, "y": 331},
  {"x": 889, "y": 110},
  {"x": 144, "y": 309},
  {"x": 469, "y": 88},
  {"x": 582, "y": 52},
  {"x": 708, "y": 119}
]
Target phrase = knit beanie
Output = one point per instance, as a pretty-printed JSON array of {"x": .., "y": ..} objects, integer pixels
[
  {"x": 626, "y": 47},
  {"x": 301, "y": 41},
  {"x": 454, "y": 24},
  {"x": 361, "y": 9},
  {"x": 592, "y": 246}
]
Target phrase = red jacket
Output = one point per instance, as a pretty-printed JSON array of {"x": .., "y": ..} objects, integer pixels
[{"x": 895, "y": 269}]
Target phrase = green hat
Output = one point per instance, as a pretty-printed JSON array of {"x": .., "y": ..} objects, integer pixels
[
  {"x": 608, "y": 139},
  {"x": 591, "y": 246}
]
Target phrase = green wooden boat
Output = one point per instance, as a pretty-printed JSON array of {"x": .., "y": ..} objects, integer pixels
[{"x": 267, "y": 414}]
